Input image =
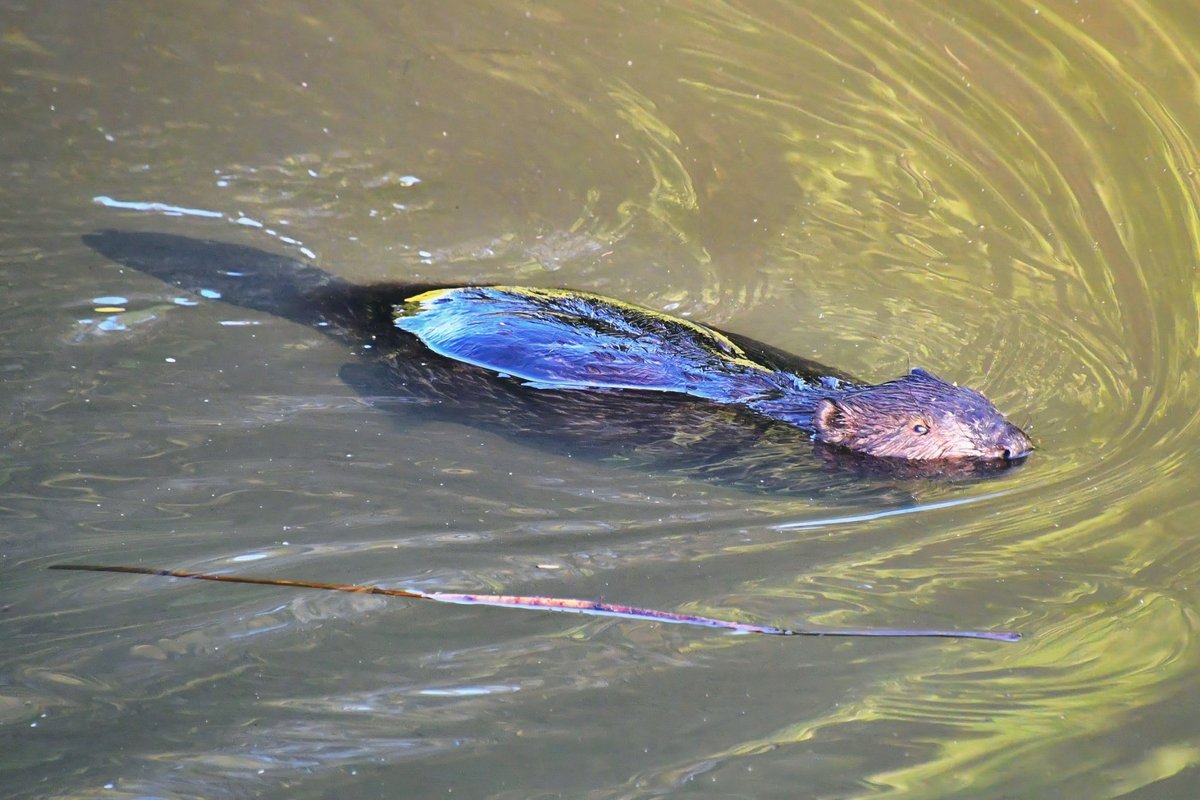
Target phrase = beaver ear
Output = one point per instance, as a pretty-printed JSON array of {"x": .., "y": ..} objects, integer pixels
[{"x": 829, "y": 421}]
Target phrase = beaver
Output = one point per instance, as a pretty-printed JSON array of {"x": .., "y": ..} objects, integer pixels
[
  {"x": 566, "y": 339},
  {"x": 535, "y": 358}
]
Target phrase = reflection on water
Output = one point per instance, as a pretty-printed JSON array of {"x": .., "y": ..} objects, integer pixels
[{"x": 1005, "y": 194}]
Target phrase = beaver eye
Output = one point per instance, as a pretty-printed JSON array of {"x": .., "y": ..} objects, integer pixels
[{"x": 920, "y": 429}]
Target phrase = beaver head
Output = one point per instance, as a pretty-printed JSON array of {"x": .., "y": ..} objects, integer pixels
[{"x": 919, "y": 417}]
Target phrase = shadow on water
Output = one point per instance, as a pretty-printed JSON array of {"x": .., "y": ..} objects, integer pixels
[{"x": 724, "y": 444}]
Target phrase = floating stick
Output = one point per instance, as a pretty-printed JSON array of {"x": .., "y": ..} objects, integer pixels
[{"x": 591, "y": 607}]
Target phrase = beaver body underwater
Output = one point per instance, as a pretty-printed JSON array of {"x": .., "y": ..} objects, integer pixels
[{"x": 579, "y": 360}]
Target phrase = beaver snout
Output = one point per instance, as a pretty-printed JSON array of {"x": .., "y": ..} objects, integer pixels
[{"x": 1012, "y": 444}]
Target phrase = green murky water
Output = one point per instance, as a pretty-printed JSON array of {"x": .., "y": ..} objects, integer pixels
[{"x": 1002, "y": 192}]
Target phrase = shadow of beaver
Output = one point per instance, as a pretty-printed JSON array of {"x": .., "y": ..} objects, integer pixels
[{"x": 728, "y": 444}]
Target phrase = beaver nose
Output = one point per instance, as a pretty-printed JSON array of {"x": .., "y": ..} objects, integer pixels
[{"x": 1013, "y": 444}]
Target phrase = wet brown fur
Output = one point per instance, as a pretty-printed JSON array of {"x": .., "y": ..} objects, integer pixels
[{"x": 919, "y": 417}]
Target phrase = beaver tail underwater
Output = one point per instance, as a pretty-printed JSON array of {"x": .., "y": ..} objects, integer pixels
[
  {"x": 255, "y": 279},
  {"x": 590, "y": 364}
]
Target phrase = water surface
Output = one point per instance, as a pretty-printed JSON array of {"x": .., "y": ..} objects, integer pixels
[{"x": 1004, "y": 193}]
